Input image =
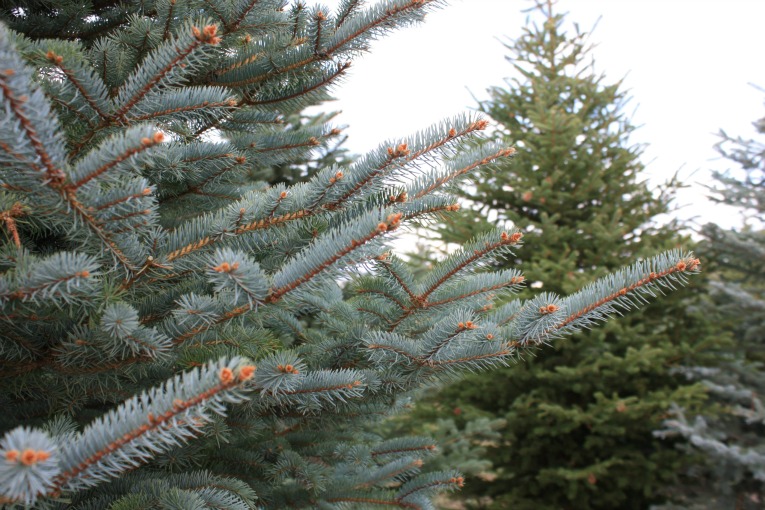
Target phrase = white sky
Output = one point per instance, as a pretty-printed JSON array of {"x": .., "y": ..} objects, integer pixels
[{"x": 687, "y": 64}]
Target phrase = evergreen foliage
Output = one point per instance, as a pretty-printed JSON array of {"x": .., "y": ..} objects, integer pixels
[
  {"x": 732, "y": 441},
  {"x": 178, "y": 333},
  {"x": 579, "y": 418}
]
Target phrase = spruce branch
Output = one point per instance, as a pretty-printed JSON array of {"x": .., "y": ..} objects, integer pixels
[
  {"x": 163, "y": 67},
  {"x": 547, "y": 316},
  {"x": 346, "y": 10},
  {"x": 249, "y": 6},
  {"x": 394, "y": 471},
  {"x": 348, "y": 185},
  {"x": 468, "y": 257},
  {"x": 286, "y": 99},
  {"x": 304, "y": 269},
  {"x": 429, "y": 483},
  {"x": 108, "y": 156},
  {"x": 463, "y": 168},
  {"x": 31, "y": 139},
  {"x": 29, "y": 465},
  {"x": 404, "y": 446},
  {"x": 368, "y": 173},
  {"x": 62, "y": 278},
  {"x": 88, "y": 85},
  {"x": 376, "y": 21},
  {"x": 8, "y": 217},
  {"x": 192, "y": 104},
  {"x": 146, "y": 424}
]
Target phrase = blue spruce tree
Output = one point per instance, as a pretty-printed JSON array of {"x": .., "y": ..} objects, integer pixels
[
  {"x": 179, "y": 333},
  {"x": 731, "y": 440}
]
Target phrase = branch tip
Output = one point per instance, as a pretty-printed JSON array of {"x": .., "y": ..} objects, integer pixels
[
  {"x": 246, "y": 372},
  {"x": 207, "y": 35},
  {"x": 226, "y": 375},
  {"x": 225, "y": 267},
  {"x": 53, "y": 57}
]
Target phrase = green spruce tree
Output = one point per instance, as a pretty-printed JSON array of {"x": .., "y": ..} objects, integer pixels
[
  {"x": 179, "y": 334},
  {"x": 580, "y": 417},
  {"x": 733, "y": 441}
]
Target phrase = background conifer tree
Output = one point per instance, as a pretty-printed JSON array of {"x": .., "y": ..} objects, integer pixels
[
  {"x": 579, "y": 418},
  {"x": 154, "y": 289},
  {"x": 733, "y": 475}
]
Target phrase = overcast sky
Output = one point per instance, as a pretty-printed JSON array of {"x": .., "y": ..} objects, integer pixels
[{"x": 687, "y": 64}]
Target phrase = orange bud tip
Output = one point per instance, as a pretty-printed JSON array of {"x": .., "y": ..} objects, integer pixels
[
  {"x": 681, "y": 266},
  {"x": 289, "y": 368},
  {"x": 393, "y": 220},
  {"x": 177, "y": 403},
  {"x": 208, "y": 34},
  {"x": 9, "y": 72},
  {"x": 83, "y": 274},
  {"x": 452, "y": 133},
  {"x": 548, "y": 309},
  {"x": 489, "y": 337},
  {"x": 457, "y": 480},
  {"x": 145, "y": 141},
  {"x": 158, "y": 137},
  {"x": 481, "y": 124},
  {"x": 226, "y": 375},
  {"x": 42, "y": 455},
  {"x": 225, "y": 267},
  {"x": 515, "y": 237},
  {"x": 28, "y": 457},
  {"x": 283, "y": 195},
  {"x": 461, "y": 325},
  {"x": 321, "y": 16},
  {"x": 382, "y": 227},
  {"x": 56, "y": 59},
  {"x": 339, "y": 175},
  {"x": 12, "y": 455},
  {"x": 147, "y": 191},
  {"x": 246, "y": 372}
]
